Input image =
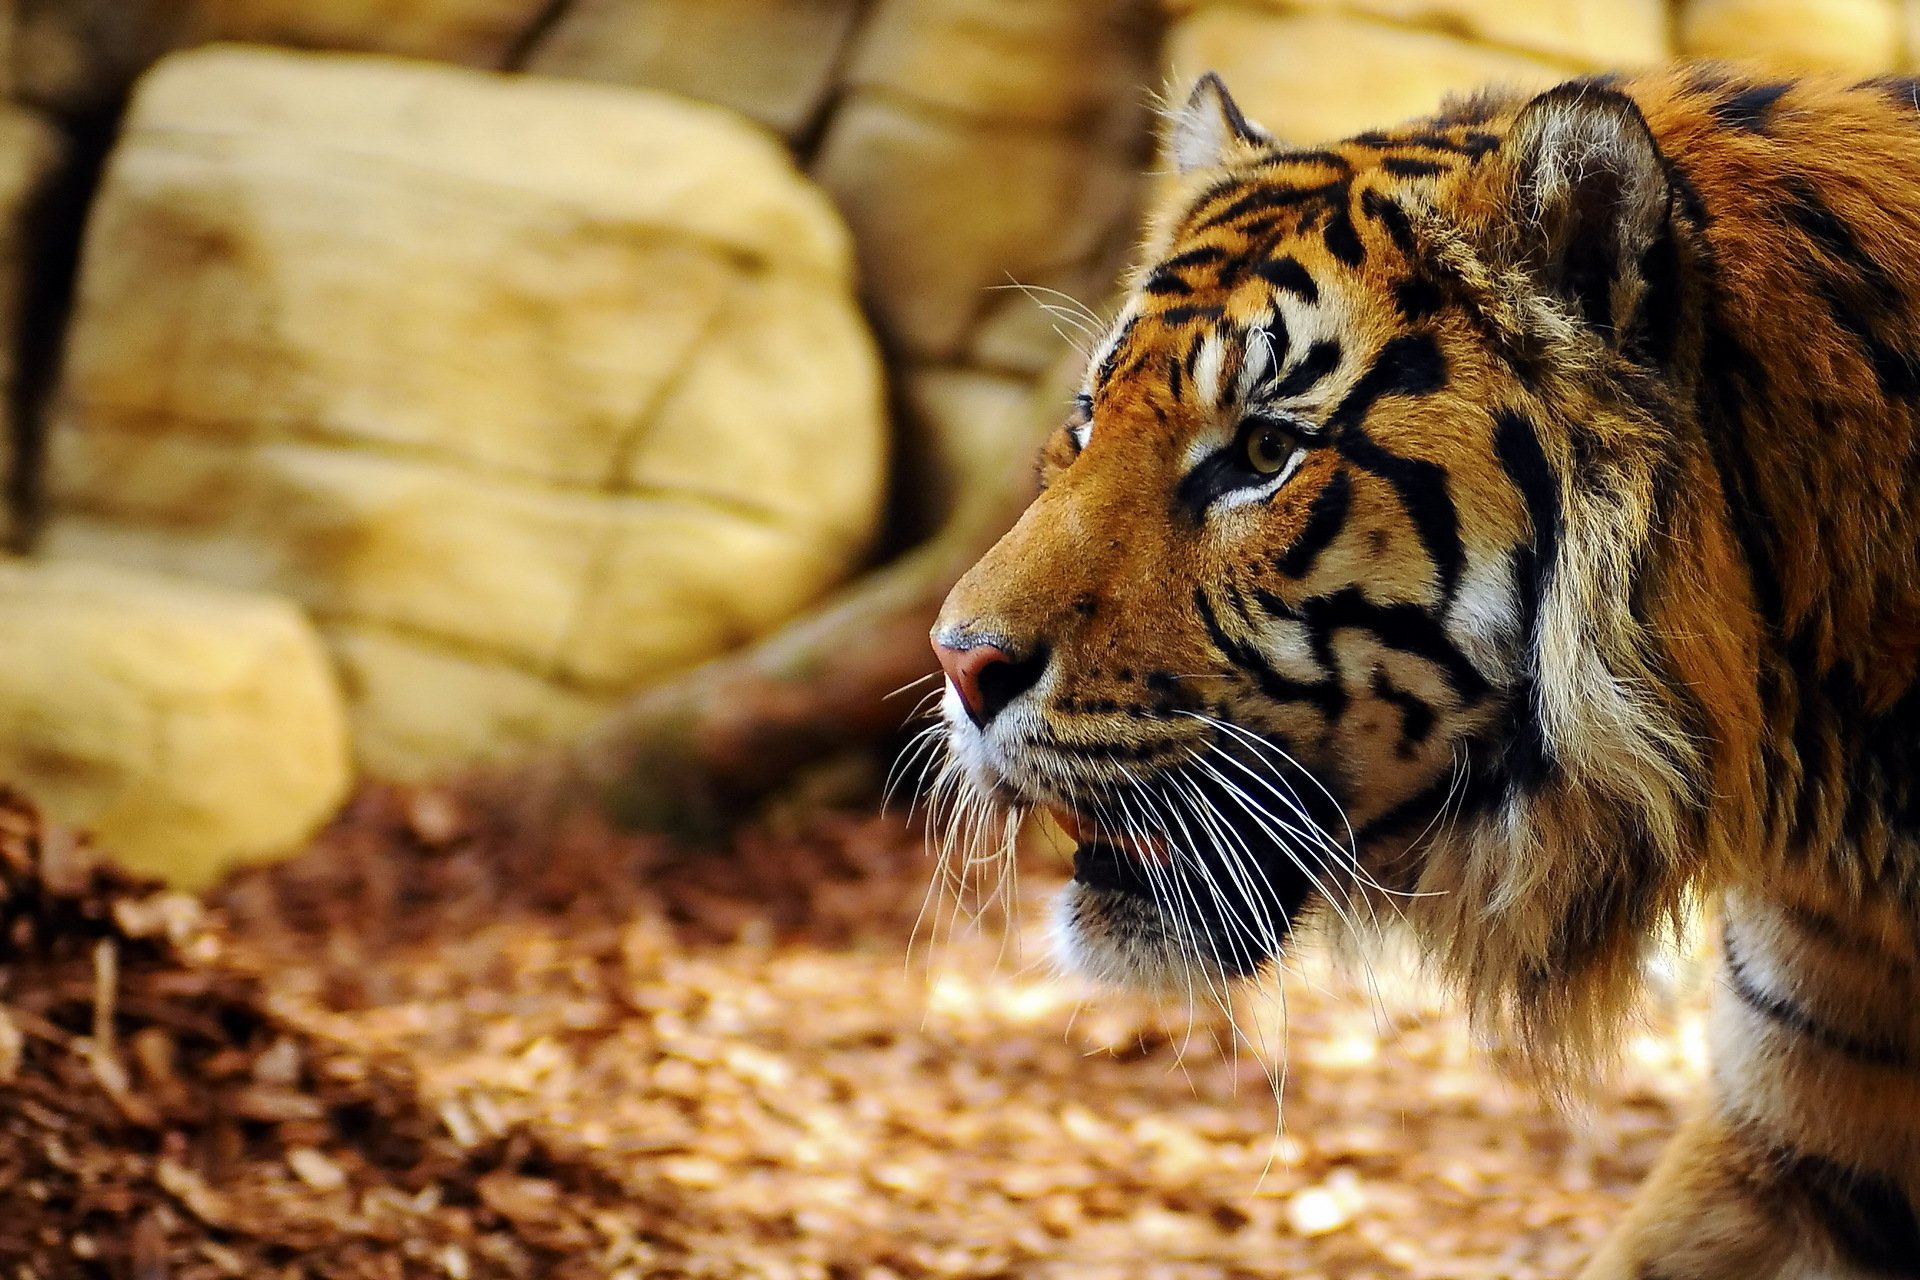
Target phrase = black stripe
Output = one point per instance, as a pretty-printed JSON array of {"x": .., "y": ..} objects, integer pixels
[
  {"x": 1777, "y": 1009},
  {"x": 1176, "y": 379},
  {"x": 1332, "y": 159},
  {"x": 1902, "y": 91},
  {"x": 1325, "y": 518},
  {"x": 1472, "y": 143},
  {"x": 1105, "y": 372},
  {"x": 1810, "y": 744},
  {"x": 1288, "y": 276},
  {"x": 1320, "y": 359},
  {"x": 1264, "y": 198},
  {"x": 1229, "y": 273},
  {"x": 1416, "y": 717},
  {"x": 1393, "y": 219},
  {"x": 1872, "y": 298},
  {"x": 1164, "y": 282},
  {"x": 1653, "y": 331},
  {"x": 1188, "y": 314},
  {"x": 1610, "y": 910},
  {"x": 1406, "y": 167},
  {"x": 1516, "y": 443},
  {"x": 1417, "y": 297},
  {"x": 1868, "y": 1216},
  {"x": 1422, "y": 488},
  {"x": 1342, "y": 240},
  {"x": 1830, "y": 232},
  {"x": 1748, "y": 109},
  {"x": 1406, "y": 628},
  {"x": 1204, "y": 255},
  {"x": 1897, "y": 372},
  {"x": 1731, "y": 380},
  {"x": 1838, "y": 936},
  {"x": 1409, "y": 365},
  {"x": 1326, "y": 695}
]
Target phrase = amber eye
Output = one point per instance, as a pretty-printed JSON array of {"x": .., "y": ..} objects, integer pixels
[{"x": 1268, "y": 449}]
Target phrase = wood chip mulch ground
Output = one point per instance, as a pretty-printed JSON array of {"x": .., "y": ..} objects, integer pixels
[{"x": 419, "y": 1051}]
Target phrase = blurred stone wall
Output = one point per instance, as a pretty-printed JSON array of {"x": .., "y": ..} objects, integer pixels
[
  {"x": 530, "y": 391},
  {"x": 397, "y": 361}
]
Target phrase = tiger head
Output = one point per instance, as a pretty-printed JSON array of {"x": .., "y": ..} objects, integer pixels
[{"x": 1342, "y": 589}]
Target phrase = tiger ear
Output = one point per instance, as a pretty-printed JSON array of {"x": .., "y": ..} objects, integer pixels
[
  {"x": 1206, "y": 132},
  {"x": 1589, "y": 197}
]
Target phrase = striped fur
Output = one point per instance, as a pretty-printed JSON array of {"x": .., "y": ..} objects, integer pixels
[{"x": 1589, "y": 588}]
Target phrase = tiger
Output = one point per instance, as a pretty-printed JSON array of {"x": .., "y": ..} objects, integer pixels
[{"x": 1507, "y": 522}]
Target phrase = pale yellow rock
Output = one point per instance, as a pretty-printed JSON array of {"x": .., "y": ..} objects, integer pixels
[
  {"x": 945, "y": 210},
  {"x": 1026, "y": 329},
  {"x": 959, "y": 427},
  {"x": 773, "y": 60},
  {"x": 738, "y": 383},
  {"x": 1843, "y": 35},
  {"x": 654, "y": 602},
  {"x": 1594, "y": 34},
  {"x": 1313, "y": 77},
  {"x": 562, "y": 253},
  {"x": 480, "y": 33},
  {"x": 486, "y": 563},
  {"x": 558, "y": 380},
  {"x": 1041, "y": 62},
  {"x": 79, "y": 56},
  {"x": 191, "y": 728},
  {"x": 416, "y": 704}
]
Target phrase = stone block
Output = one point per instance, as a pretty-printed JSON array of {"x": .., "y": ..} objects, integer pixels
[
  {"x": 1314, "y": 77},
  {"x": 772, "y": 60},
  {"x": 1592, "y": 34},
  {"x": 191, "y": 728},
  {"x": 1861, "y": 36},
  {"x": 442, "y": 354},
  {"x": 1052, "y": 63},
  {"x": 946, "y": 209}
]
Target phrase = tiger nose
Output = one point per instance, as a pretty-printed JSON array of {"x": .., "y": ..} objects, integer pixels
[{"x": 986, "y": 676}]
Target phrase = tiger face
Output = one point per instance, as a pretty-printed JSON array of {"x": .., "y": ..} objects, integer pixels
[{"x": 1273, "y": 629}]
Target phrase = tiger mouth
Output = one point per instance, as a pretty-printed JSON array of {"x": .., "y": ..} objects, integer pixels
[{"x": 1104, "y": 858}]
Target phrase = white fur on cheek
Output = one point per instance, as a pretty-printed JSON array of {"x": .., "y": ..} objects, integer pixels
[{"x": 1485, "y": 617}]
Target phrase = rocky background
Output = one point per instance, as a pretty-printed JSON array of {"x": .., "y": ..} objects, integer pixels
[{"x": 373, "y": 413}]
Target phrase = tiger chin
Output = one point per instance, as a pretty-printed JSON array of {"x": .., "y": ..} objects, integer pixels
[{"x": 1509, "y": 522}]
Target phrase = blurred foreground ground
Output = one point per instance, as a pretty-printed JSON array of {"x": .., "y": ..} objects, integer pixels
[{"x": 412, "y": 1053}]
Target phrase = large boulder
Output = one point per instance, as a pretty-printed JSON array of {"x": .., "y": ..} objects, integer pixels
[
  {"x": 531, "y": 391},
  {"x": 1314, "y": 76},
  {"x": 77, "y": 57},
  {"x": 192, "y": 728},
  {"x": 1596, "y": 34},
  {"x": 1842, "y": 35},
  {"x": 773, "y": 60},
  {"x": 983, "y": 143}
]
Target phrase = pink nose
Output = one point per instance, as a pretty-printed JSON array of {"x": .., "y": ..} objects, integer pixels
[{"x": 987, "y": 677}]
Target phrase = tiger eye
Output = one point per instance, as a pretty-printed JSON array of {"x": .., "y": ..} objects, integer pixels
[{"x": 1267, "y": 450}]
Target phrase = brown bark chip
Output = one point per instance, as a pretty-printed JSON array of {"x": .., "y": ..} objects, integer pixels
[{"x": 163, "y": 1117}]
